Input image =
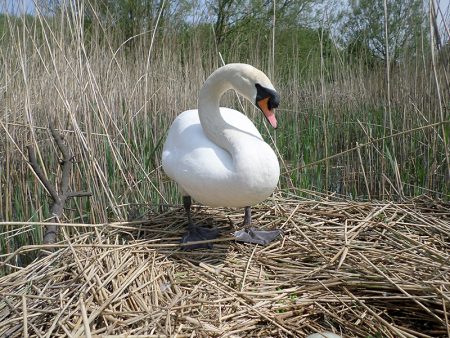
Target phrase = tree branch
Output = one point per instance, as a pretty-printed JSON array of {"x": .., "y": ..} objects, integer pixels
[
  {"x": 38, "y": 171},
  {"x": 65, "y": 162},
  {"x": 79, "y": 194},
  {"x": 59, "y": 199}
]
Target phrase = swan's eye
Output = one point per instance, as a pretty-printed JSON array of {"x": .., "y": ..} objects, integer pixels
[
  {"x": 274, "y": 101},
  {"x": 264, "y": 93}
]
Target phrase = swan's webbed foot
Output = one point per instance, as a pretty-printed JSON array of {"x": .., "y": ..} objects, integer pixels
[
  {"x": 255, "y": 236},
  {"x": 197, "y": 233},
  {"x": 194, "y": 232}
]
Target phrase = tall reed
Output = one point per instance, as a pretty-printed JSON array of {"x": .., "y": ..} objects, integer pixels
[{"x": 114, "y": 99}]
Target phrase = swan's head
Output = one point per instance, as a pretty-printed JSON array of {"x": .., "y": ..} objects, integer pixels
[
  {"x": 267, "y": 100},
  {"x": 257, "y": 88}
]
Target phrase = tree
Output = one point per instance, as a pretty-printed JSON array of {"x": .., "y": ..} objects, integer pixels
[
  {"x": 241, "y": 16},
  {"x": 363, "y": 23}
]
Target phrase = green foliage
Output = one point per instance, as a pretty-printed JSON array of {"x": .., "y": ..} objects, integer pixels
[
  {"x": 12, "y": 24},
  {"x": 3, "y": 24},
  {"x": 364, "y": 27}
]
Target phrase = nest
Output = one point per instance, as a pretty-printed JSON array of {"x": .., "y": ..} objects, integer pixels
[{"x": 353, "y": 268}]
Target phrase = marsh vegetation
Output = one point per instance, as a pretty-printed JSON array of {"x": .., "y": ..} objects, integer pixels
[
  {"x": 364, "y": 112},
  {"x": 363, "y": 143}
]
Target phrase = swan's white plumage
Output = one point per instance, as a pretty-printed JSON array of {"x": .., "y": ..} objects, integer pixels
[
  {"x": 243, "y": 175},
  {"x": 324, "y": 335}
]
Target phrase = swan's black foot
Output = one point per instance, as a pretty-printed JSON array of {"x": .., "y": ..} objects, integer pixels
[
  {"x": 197, "y": 233},
  {"x": 252, "y": 235}
]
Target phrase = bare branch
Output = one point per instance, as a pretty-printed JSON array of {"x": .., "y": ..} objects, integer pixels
[
  {"x": 39, "y": 173},
  {"x": 59, "y": 200},
  {"x": 79, "y": 194},
  {"x": 65, "y": 162}
]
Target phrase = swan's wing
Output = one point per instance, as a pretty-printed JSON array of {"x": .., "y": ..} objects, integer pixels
[
  {"x": 240, "y": 121},
  {"x": 189, "y": 155}
]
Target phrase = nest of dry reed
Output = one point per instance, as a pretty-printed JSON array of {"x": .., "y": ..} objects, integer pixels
[{"x": 359, "y": 269}]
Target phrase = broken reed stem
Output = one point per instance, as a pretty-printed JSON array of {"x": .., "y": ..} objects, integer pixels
[
  {"x": 363, "y": 171},
  {"x": 87, "y": 330},
  {"x": 395, "y": 329},
  {"x": 25, "y": 316}
]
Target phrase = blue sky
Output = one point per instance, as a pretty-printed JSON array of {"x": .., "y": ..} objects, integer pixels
[
  {"x": 17, "y": 5},
  {"x": 28, "y": 6}
]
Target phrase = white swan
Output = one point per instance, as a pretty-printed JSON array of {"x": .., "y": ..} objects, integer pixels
[{"x": 217, "y": 156}]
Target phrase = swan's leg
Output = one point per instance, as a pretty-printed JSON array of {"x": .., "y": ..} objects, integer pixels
[
  {"x": 194, "y": 232},
  {"x": 187, "y": 207},
  {"x": 252, "y": 235},
  {"x": 247, "y": 216}
]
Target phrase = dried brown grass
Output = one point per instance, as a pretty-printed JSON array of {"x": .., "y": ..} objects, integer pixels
[{"x": 355, "y": 268}]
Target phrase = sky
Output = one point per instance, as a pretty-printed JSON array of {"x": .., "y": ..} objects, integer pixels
[
  {"x": 18, "y": 5},
  {"x": 28, "y": 6}
]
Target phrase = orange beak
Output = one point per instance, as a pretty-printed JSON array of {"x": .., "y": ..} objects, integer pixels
[{"x": 268, "y": 113}]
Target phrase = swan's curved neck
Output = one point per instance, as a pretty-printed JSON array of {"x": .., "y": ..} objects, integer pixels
[{"x": 214, "y": 126}]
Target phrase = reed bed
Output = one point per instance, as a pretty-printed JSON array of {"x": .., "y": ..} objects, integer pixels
[
  {"x": 113, "y": 99},
  {"x": 359, "y": 269}
]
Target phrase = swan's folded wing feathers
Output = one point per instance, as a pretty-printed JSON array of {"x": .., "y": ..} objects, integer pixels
[
  {"x": 188, "y": 155},
  {"x": 239, "y": 120}
]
